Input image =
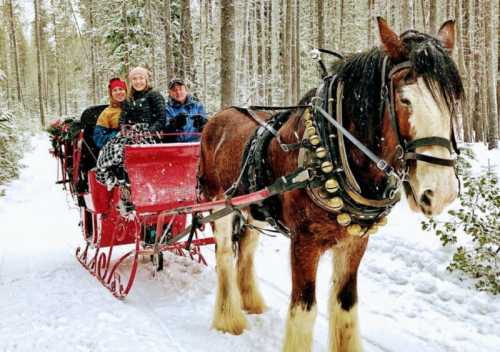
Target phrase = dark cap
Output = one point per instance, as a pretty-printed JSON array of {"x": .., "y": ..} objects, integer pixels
[{"x": 175, "y": 81}]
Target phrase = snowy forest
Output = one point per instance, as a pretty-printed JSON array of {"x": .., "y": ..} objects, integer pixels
[
  {"x": 56, "y": 56},
  {"x": 426, "y": 284}
]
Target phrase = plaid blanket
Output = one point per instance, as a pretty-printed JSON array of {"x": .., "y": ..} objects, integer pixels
[{"x": 111, "y": 156}]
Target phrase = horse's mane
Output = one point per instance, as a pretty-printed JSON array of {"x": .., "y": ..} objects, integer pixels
[{"x": 361, "y": 74}]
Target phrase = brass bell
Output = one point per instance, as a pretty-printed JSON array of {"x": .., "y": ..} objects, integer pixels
[
  {"x": 344, "y": 219},
  {"x": 326, "y": 167},
  {"x": 308, "y": 123},
  {"x": 354, "y": 229},
  {"x": 311, "y": 131},
  {"x": 382, "y": 222},
  {"x": 331, "y": 185},
  {"x": 372, "y": 230},
  {"x": 336, "y": 203},
  {"x": 307, "y": 115},
  {"x": 314, "y": 139},
  {"x": 322, "y": 193},
  {"x": 320, "y": 152}
]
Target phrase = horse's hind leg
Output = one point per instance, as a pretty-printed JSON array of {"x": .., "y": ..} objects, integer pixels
[
  {"x": 302, "y": 311},
  {"x": 228, "y": 315},
  {"x": 252, "y": 299},
  {"x": 344, "y": 329}
]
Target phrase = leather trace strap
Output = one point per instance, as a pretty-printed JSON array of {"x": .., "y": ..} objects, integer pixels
[{"x": 268, "y": 126}]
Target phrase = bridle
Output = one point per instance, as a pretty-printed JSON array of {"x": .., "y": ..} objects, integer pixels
[
  {"x": 409, "y": 147},
  {"x": 352, "y": 199}
]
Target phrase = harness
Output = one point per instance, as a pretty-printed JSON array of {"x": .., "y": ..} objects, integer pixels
[{"x": 332, "y": 185}]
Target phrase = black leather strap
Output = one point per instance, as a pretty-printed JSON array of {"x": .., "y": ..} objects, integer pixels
[
  {"x": 430, "y": 159},
  {"x": 429, "y": 141}
]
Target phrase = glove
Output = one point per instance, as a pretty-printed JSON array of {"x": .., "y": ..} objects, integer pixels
[
  {"x": 199, "y": 122},
  {"x": 180, "y": 121}
]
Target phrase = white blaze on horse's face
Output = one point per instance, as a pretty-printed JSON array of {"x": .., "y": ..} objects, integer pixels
[{"x": 434, "y": 186}]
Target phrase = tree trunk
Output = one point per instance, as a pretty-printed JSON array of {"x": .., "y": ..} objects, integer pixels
[
  {"x": 296, "y": 54},
  {"x": 12, "y": 32},
  {"x": 126, "y": 56},
  {"x": 478, "y": 111},
  {"x": 169, "y": 62},
  {"x": 58, "y": 66},
  {"x": 287, "y": 53},
  {"x": 268, "y": 46},
  {"x": 405, "y": 15},
  {"x": 260, "y": 50},
  {"x": 39, "y": 62},
  {"x": 227, "y": 36},
  {"x": 204, "y": 37},
  {"x": 187, "y": 42},
  {"x": 152, "y": 58},
  {"x": 469, "y": 60},
  {"x": 433, "y": 25},
  {"x": 320, "y": 23},
  {"x": 93, "y": 80},
  {"x": 491, "y": 37}
]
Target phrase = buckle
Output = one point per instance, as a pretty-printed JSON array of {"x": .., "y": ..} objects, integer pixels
[{"x": 382, "y": 165}]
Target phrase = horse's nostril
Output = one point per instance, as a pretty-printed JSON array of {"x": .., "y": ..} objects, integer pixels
[{"x": 426, "y": 197}]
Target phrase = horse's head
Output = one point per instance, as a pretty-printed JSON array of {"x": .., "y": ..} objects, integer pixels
[{"x": 424, "y": 88}]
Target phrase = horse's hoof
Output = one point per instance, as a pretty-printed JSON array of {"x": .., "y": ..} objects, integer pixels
[
  {"x": 254, "y": 305},
  {"x": 234, "y": 325}
]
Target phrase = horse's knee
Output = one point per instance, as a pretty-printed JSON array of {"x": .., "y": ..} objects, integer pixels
[{"x": 347, "y": 295}]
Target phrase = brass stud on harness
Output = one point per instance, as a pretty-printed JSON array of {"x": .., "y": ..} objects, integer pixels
[
  {"x": 326, "y": 167},
  {"x": 336, "y": 203},
  {"x": 382, "y": 222},
  {"x": 314, "y": 139},
  {"x": 354, "y": 229},
  {"x": 331, "y": 185},
  {"x": 372, "y": 230},
  {"x": 310, "y": 131},
  {"x": 344, "y": 219},
  {"x": 308, "y": 123},
  {"x": 307, "y": 115},
  {"x": 322, "y": 193},
  {"x": 320, "y": 152}
]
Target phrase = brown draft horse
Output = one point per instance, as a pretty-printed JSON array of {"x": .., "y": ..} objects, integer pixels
[{"x": 422, "y": 98}]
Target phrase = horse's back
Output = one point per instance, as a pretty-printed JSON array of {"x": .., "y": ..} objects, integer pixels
[{"x": 223, "y": 143}]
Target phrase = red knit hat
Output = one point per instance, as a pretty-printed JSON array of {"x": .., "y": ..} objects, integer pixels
[{"x": 116, "y": 82}]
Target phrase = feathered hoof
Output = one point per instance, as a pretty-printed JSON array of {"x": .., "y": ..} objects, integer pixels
[
  {"x": 231, "y": 323},
  {"x": 254, "y": 304}
]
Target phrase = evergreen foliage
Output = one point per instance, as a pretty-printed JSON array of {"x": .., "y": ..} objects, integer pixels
[{"x": 478, "y": 218}]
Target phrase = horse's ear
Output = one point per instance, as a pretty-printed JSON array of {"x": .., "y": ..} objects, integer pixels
[
  {"x": 393, "y": 46},
  {"x": 446, "y": 35}
]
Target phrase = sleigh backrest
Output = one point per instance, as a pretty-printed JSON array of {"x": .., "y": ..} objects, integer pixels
[{"x": 162, "y": 176}]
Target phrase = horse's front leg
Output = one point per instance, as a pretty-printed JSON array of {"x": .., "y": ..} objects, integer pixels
[
  {"x": 228, "y": 315},
  {"x": 302, "y": 311},
  {"x": 344, "y": 329},
  {"x": 252, "y": 299}
]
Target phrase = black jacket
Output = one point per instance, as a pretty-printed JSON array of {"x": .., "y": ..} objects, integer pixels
[{"x": 146, "y": 107}]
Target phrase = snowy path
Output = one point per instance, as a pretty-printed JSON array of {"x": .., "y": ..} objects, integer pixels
[{"x": 48, "y": 302}]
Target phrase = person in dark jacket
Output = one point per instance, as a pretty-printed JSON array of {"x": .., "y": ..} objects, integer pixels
[
  {"x": 144, "y": 104},
  {"x": 109, "y": 120},
  {"x": 183, "y": 113}
]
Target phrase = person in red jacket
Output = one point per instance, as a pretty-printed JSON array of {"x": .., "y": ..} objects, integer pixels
[{"x": 108, "y": 122}]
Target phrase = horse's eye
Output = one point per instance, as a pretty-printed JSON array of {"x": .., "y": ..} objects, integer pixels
[{"x": 405, "y": 101}]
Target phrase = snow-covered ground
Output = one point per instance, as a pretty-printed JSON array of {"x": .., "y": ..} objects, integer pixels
[{"x": 48, "y": 302}]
